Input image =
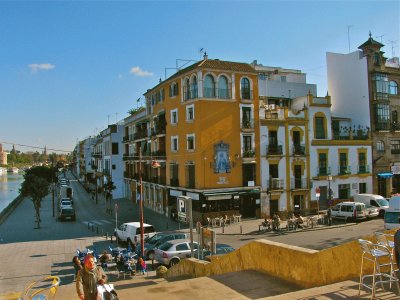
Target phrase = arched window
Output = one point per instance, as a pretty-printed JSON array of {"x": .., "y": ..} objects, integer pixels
[
  {"x": 187, "y": 89},
  {"x": 193, "y": 88},
  {"x": 245, "y": 88},
  {"x": 393, "y": 88},
  {"x": 223, "y": 92},
  {"x": 209, "y": 87},
  {"x": 380, "y": 147}
]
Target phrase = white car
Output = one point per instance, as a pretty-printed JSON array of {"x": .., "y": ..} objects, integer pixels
[
  {"x": 349, "y": 211},
  {"x": 172, "y": 252},
  {"x": 372, "y": 211}
]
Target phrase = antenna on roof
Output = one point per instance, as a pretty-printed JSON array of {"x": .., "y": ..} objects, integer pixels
[
  {"x": 392, "y": 43},
  {"x": 201, "y": 51},
  {"x": 380, "y": 36}
]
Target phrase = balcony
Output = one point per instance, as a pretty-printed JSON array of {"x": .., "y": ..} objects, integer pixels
[
  {"x": 140, "y": 135},
  {"x": 363, "y": 169},
  {"x": 299, "y": 183},
  {"x": 248, "y": 153},
  {"x": 129, "y": 156},
  {"x": 276, "y": 184},
  {"x": 97, "y": 154},
  {"x": 395, "y": 149},
  {"x": 190, "y": 93},
  {"x": 344, "y": 170},
  {"x": 382, "y": 126},
  {"x": 274, "y": 149},
  {"x": 217, "y": 93},
  {"x": 159, "y": 154},
  {"x": 247, "y": 124},
  {"x": 299, "y": 149},
  {"x": 323, "y": 171},
  {"x": 395, "y": 126}
]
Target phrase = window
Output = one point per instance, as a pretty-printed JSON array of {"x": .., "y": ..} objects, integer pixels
[
  {"x": 245, "y": 88},
  {"x": 190, "y": 113},
  {"x": 190, "y": 176},
  {"x": 362, "y": 163},
  {"x": 343, "y": 163},
  {"x": 247, "y": 121},
  {"x": 344, "y": 191},
  {"x": 174, "y": 143},
  {"x": 394, "y": 116},
  {"x": 187, "y": 90},
  {"x": 382, "y": 116},
  {"x": 173, "y": 89},
  {"x": 223, "y": 91},
  {"x": 322, "y": 167},
  {"x": 193, "y": 88},
  {"x": 395, "y": 146},
  {"x": 393, "y": 88},
  {"x": 174, "y": 116},
  {"x": 362, "y": 188},
  {"x": 190, "y": 141},
  {"x": 380, "y": 147},
  {"x": 209, "y": 87},
  {"x": 381, "y": 86},
  {"x": 319, "y": 128},
  {"x": 247, "y": 142},
  {"x": 114, "y": 149},
  {"x": 182, "y": 247}
]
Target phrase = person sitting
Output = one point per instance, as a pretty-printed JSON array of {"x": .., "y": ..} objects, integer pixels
[
  {"x": 299, "y": 221},
  {"x": 77, "y": 265},
  {"x": 276, "y": 222},
  {"x": 104, "y": 259}
]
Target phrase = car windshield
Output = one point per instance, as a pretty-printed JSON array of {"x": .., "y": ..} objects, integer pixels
[
  {"x": 154, "y": 238},
  {"x": 67, "y": 211},
  {"x": 382, "y": 202},
  {"x": 165, "y": 246}
]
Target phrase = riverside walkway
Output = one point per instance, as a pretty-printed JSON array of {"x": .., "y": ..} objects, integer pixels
[{"x": 28, "y": 254}]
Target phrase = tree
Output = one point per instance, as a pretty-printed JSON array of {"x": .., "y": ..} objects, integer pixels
[
  {"x": 36, "y": 186},
  {"x": 108, "y": 188}
]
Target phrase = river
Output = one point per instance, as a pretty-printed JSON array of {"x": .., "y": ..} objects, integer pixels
[{"x": 9, "y": 188}]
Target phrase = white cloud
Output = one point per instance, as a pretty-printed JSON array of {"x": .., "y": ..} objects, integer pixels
[
  {"x": 139, "y": 72},
  {"x": 39, "y": 67}
]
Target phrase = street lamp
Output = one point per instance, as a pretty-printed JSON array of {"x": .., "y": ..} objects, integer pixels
[{"x": 329, "y": 190}]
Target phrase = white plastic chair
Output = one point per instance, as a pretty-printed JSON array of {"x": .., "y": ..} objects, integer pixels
[{"x": 45, "y": 288}]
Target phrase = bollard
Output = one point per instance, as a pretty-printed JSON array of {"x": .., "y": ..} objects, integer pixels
[
  {"x": 241, "y": 231},
  {"x": 223, "y": 229},
  {"x": 111, "y": 239}
]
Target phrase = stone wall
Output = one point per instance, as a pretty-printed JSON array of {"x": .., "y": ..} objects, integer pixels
[{"x": 303, "y": 267}]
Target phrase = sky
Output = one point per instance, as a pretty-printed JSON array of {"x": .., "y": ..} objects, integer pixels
[{"x": 70, "y": 68}]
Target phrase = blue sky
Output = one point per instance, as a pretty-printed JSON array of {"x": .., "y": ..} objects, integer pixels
[{"x": 69, "y": 68}]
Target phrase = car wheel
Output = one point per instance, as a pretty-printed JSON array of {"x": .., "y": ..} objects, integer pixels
[
  {"x": 173, "y": 262},
  {"x": 150, "y": 255}
]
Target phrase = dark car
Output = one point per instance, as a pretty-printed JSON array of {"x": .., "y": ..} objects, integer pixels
[
  {"x": 221, "y": 249},
  {"x": 67, "y": 213}
]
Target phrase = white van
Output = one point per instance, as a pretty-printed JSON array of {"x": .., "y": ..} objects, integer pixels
[
  {"x": 392, "y": 215},
  {"x": 349, "y": 211},
  {"x": 374, "y": 200},
  {"x": 130, "y": 232}
]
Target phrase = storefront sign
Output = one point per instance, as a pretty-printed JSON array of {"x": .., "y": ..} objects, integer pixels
[
  {"x": 175, "y": 193},
  {"x": 194, "y": 196}
]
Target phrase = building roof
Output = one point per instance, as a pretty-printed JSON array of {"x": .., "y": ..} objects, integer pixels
[
  {"x": 370, "y": 42},
  {"x": 215, "y": 64}
]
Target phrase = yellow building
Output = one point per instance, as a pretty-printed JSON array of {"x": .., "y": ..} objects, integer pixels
[{"x": 200, "y": 138}]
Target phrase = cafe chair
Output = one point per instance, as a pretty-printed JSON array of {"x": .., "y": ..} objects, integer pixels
[{"x": 45, "y": 288}]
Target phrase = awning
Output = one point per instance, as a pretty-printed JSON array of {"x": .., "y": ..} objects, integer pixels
[
  {"x": 385, "y": 175},
  {"x": 219, "y": 196}
]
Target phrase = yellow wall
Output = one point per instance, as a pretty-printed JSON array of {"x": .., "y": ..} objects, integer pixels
[
  {"x": 304, "y": 267},
  {"x": 215, "y": 120}
]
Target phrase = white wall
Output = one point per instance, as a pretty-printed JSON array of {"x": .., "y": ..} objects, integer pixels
[
  {"x": 285, "y": 89},
  {"x": 348, "y": 86}
]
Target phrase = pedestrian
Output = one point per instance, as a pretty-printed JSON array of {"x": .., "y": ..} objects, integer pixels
[
  {"x": 329, "y": 216},
  {"x": 141, "y": 265},
  {"x": 88, "y": 278}
]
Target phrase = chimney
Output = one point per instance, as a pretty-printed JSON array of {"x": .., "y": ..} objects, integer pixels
[{"x": 205, "y": 57}]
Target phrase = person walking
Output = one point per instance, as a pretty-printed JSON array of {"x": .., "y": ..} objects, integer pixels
[
  {"x": 88, "y": 278},
  {"x": 329, "y": 216},
  {"x": 77, "y": 265}
]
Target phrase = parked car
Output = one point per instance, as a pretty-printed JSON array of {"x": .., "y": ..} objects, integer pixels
[
  {"x": 67, "y": 213},
  {"x": 221, "y": 249},
  {"x": 375, "y": 200},
  {"x": 65, "y": 202},
  {"x": 165, "y": 237},
  {"x": 372, "y": 211},
  {"x": 349, "y": 210},
  {"x": 130, "y": 232},
  {"x": 172, "y": 252}
]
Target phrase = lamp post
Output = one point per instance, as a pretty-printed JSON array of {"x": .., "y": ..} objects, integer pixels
[{"x": 329, "y": 190}]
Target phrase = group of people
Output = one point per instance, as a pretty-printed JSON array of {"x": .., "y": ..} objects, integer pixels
[{"x": 89, "y": 275}]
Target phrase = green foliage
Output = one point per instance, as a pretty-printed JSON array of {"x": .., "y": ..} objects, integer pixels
[{"x": 36, "y": 186}]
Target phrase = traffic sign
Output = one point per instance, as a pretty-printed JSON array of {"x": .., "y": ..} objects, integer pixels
[
  {"x": 116, "y": 206},
  {"x": 317, "y": 195}
]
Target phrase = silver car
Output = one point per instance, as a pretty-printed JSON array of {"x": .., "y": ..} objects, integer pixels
[{"x": 172, "y": 252}]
